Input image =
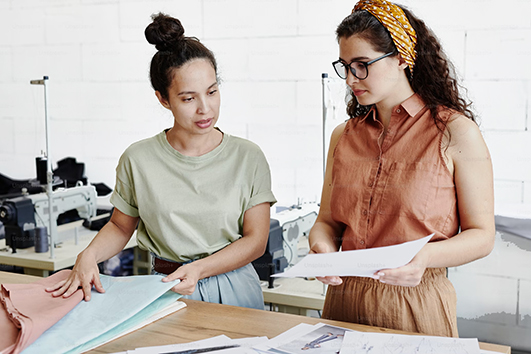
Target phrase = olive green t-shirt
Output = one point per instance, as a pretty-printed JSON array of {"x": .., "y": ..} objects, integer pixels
[{"x": 190, "y": 207}]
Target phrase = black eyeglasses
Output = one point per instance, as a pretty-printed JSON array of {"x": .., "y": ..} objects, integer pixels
[{"x": 359, "y": 69}]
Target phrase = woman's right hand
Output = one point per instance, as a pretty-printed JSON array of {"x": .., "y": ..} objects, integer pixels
[
  {"x": 84, "y": 275},
  {"x": 322, "y": 247}
]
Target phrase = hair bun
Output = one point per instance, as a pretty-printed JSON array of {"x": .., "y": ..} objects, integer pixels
[{"x": 165, "y": 32}]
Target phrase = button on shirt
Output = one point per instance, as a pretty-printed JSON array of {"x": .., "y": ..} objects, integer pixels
[{"x": 393, "y": 189}]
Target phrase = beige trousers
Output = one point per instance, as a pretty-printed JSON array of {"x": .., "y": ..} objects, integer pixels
[{"x": 428, "y": 308}]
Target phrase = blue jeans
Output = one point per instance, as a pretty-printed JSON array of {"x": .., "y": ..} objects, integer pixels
[{"x": 240, "y": 287}]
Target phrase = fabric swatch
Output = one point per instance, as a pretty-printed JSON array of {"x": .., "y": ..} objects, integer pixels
[
  {"x": 27, "y": 310},
  {"x": 126, "y": 302}
]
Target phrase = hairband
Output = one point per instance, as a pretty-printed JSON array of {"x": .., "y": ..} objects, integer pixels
[{"x": 395, "y": 21}]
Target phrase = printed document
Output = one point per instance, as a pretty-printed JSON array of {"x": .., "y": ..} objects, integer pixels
[{"x": 360, "y": 263}]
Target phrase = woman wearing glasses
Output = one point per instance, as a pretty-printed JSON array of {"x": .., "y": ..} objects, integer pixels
[
  {"x": 411, "y": 161},
  {"x": 200, "y": 197}
]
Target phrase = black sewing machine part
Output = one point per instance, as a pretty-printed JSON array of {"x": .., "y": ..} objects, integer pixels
[
  {"x": 18, "y": 217},
  {"x": 41, "y": 165},
  {"x": 273, "y": 260}
]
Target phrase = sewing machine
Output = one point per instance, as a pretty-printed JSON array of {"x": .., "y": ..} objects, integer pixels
[
  {"x": 296, "y": 223},
  {"x": 22, "y": 215},
  {"x": 286, "y": 230}
]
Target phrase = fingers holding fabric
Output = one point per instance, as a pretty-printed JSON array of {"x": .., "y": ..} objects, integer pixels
[
  {"x": 68, "y": 287},
  {"x": 84, "y": 275},
  {"x": 188, "y": 277}
]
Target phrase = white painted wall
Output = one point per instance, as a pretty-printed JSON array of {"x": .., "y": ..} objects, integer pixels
[{"x": 271, "y": 55}]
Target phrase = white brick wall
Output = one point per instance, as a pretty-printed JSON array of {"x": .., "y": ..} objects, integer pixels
[
  {"x": 271, "y": 55},
  {"x": 82, "y": 23},
  {"x": 249, "y": 18}
]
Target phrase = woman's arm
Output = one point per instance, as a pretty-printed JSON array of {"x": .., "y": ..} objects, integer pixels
[
  {"x": 111, "y": 239},
  {"x": 470, "y": 161},
  {"x": 325, "y": 235},
  {"x": 239, "y": 253}
]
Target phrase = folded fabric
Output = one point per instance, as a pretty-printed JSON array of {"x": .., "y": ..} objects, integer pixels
[
  {"x": 126, "y": 302},
  {"x": 27, "y": 310},
  {"x": 162, "y": 307}
]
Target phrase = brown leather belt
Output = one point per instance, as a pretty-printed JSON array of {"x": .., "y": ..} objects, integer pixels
[{"x": 165, "y": 267}]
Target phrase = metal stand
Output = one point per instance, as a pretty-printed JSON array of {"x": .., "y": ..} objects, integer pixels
[
  {"x": 324, "y": 82},
  {"x": 49, "y": 173}
]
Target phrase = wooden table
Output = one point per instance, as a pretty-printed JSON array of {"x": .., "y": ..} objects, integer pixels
[
  {"x": 65, "y": 254},
  {"x": 200, "y": 320}
]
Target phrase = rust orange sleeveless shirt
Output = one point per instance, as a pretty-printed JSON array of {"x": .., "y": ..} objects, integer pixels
[{"x": 399, "y": 191}]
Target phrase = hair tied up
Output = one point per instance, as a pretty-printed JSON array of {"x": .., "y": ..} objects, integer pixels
[
  {"x": 165, "y": 32},
  {"x": 174, "y": 50}
]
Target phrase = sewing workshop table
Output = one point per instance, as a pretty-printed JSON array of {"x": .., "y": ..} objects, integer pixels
[
  {"x": 296, "y": 296},
  {"x": 201, "y": 320},
  {"x": 64, "y": 255}
]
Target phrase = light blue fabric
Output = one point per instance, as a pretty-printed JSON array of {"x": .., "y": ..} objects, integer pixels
[
  {"x": 240, "y": 287},
  {"x": 126, "y": 302}
]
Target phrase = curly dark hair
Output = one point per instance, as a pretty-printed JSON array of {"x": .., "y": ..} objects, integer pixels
[{"x": 433, "y": 78}]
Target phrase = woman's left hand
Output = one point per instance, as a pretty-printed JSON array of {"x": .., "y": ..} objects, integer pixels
[
  {"x": 408, "y": 275},
  {"x": 189, "y": 276}
]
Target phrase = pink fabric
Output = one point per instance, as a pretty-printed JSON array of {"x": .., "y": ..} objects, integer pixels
[{"x": 27, "y": 310}]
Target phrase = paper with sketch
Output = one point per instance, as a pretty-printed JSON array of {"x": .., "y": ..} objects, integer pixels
[
  {"x": 360, "y": 263},
  {"x": 285, "y": 337},
  {"x": 317, "y": 339},
  {"x": 365, "y": 343}
]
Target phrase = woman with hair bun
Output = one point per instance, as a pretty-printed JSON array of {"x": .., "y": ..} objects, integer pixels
[
  {"x": 199, "y": 196},
  {"x": 409, "y": 162}
]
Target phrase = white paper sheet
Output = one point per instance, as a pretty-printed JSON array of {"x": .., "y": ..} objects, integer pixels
[
  {"x": 365, "y": 343},
  {"x": 285, "y": 337},
  {"x": 213, "y": 341},
  {"x": 244, "y": 346},
  {"x": 361, "y": 263}
]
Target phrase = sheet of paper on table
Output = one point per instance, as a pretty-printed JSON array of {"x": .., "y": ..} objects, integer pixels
[
  {"x": 366, "y": 342},
  {"x": 361, "y": 263},
  {"x": 174, "y": 347},
  {"x": 241, "y": 346},
  {"x": 322, "y": 338}
]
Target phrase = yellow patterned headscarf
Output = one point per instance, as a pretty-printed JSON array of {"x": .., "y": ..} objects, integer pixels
[{"x": 395, "y": 21}]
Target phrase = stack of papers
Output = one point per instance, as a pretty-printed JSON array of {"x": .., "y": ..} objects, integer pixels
[{"x": 322, "y": 339}]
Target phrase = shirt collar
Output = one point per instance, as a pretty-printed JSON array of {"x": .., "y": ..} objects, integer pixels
[{"x": 413, "y": 105}]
